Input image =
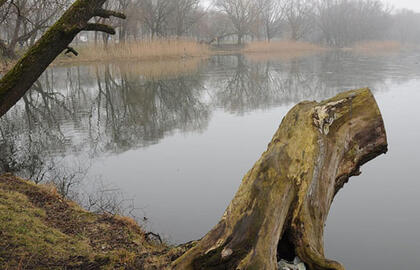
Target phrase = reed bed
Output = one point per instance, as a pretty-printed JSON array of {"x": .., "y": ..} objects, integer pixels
[
  {"x": 377, "y": 46},
  {"x": 284, "y": 46},
  {"x": 281, "y": 50},
  {"x": 150, "y": 50},
  {"x": 156, "y": 69}
]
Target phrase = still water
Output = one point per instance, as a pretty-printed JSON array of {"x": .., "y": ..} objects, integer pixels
[{"x": 175, "y": 140}]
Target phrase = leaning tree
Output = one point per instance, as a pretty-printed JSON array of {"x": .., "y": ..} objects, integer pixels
[{"x": 56, "y": 40}]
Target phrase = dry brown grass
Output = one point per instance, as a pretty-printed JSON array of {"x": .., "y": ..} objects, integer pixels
[
  {"x": 283, "y": 46},
  {"x": 264, "y": 57},
  {"x": 154, "y": 69},
  {"x": 151, "y": 50},
  {"x": 284, "y": 50},
  {"x": 42, "y": 229},
  {"x": 377, "y": 46},
  {"x": 160, "y": 69}
]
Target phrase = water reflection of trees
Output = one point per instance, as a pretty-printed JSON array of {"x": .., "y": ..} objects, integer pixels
[
  {"x": 261, "y": 85},
  {"x": 139, "y": 112},
  {"x": 79, "y": 113},
  {"x": 71, "y": 112}
]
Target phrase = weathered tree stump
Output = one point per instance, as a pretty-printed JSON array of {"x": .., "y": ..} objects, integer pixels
[{"x": 282, "y": 204}]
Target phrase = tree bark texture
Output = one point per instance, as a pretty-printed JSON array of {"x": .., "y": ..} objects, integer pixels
[
  {"x": 282, "y": 204},
  {"x": 28, "y": 69}
]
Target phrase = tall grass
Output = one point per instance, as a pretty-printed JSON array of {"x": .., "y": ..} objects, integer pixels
[
  {"x": 283, "y": 46},
  {"x": 156, "y": 69},
  {"x": 377, "y": 46},
  {"x": 287, "y": 49},
  {"x": 159, "y": 49}
]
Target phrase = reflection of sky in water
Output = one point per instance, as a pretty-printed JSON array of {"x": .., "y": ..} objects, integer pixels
[
  {"x": 374, "y": 221},
  {"x": 204, "y": 130}
]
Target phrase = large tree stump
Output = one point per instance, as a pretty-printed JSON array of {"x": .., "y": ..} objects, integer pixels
[{"x": 282, "y": 204}]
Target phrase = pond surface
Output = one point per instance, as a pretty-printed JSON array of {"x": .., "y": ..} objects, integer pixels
[{"x": 176, "y": 138}]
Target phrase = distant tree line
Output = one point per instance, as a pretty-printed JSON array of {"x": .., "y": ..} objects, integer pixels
[{"x": 336, "y": 23}]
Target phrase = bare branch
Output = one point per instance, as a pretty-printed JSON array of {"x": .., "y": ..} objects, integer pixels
[
  {"x": 71, "y": 50},
  {"x": 15, "y": 83},
  {"x": 103, "y": 13},
  {"x": 99, "y": 27},
  {"x": 155, "y": 235}
]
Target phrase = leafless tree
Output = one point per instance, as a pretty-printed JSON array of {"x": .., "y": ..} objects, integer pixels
[
  {"x": 271, "y": 16},
  {"x": 214, "y": 26},
  {"x": 23, "y": 21},
  {"x": 343, "y": 22},
  {"x": 154, "y": 15},
  {"x": 184, "y": 15},
  {"x": 406, "y": 26},
  {"x": 243, "y": 15},
  {"x": 298, "y": 15}
]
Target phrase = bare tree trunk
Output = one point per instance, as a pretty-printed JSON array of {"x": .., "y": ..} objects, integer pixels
[
  {"x": 282, "y": 204},
  {"x": 268, "y": 31},
  {"x": 240, "y": 37},
  {"x": 5, "y": 51},
  {"x": 28, "y": 69},
  {"x": 15, "y": 36}
]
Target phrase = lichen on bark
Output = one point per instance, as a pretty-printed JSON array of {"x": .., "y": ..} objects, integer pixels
[
  {"x": 282, "y": 204},
  {"x": 29, "y": 68}
]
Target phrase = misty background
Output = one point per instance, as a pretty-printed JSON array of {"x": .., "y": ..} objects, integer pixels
[{"x": 333, "y": 23}]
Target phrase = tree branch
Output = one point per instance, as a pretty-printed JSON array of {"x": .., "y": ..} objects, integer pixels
[
  {"x": 103, "y": 13},
  {"x": 99, "y": 27},
  {"x": 57, "y": 39},
  {"x": 71, "y": 50}
]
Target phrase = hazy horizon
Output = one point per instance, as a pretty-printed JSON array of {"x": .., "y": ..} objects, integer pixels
[
  {"x": 405, "y": 4},
  {"x": 397, "y": 4}
]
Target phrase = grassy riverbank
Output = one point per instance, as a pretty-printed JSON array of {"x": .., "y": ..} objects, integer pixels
[
  {"x": 284, "y": 46},
  {"x": 377, "y": 47},
  {"x": 180, "y": 49},
  {"x": 150, "y": 50},
  {"x": 170, "y": 56},
  {"x": 282, "y": 50},
  {"x": 41, "y": 230},
  {"x": 153, "y": 69}
]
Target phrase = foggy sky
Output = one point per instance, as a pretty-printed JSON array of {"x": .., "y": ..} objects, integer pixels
[
  {"x": 408, "y": 4},
  {"x": 397, "y": 4}
]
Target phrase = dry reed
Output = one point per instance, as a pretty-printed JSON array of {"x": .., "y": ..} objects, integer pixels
[
  {"x": 280, "y": 46},
  {"x": 156, "y": 69},
  {"x": 377, "y": 46},
  {"x": 283, "y": 50},
  {"x": 150, "y": 50}
]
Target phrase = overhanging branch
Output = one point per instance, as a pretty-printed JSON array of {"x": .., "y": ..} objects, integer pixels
[
  {"x": 99, "y": 27},
  {"x": 71, "y": 50},
  {"x": 15, "y": 83},
  {"x": 103, "y": 13}
]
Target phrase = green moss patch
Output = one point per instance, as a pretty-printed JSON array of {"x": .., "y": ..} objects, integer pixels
[{"x": 41, "y": 230}]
